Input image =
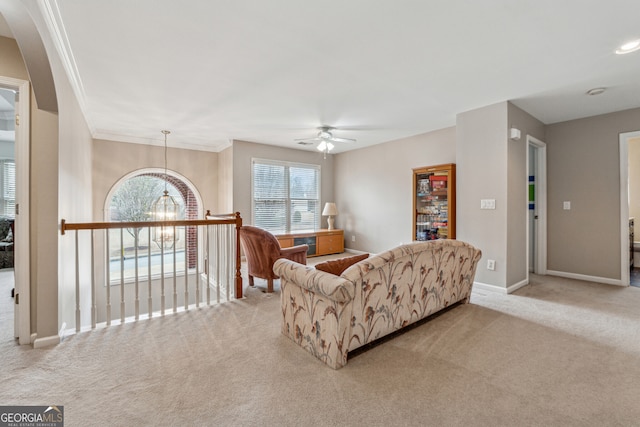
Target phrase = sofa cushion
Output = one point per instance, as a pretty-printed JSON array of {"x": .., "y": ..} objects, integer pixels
[{"x": 337, "y": 266}]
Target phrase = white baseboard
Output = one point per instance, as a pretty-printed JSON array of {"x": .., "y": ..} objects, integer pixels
[
  {"x": 499, "y": 289},
  {"x": 355, "y": 252},
  {"x": 487, "y": 287},
  {"x": 46, "y": 342},
  {"x": 606, "y": 281},
  {"x": 517, "y": 286}
]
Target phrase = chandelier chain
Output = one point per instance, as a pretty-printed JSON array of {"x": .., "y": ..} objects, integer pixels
[{"x": 165, "y": 132}]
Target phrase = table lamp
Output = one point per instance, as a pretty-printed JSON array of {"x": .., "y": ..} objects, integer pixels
[{"x": 330, "y": 210}]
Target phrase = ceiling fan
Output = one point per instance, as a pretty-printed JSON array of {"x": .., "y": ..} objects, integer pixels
[{"x": 326, "y": 139}]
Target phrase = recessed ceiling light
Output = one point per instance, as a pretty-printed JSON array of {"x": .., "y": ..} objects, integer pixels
[
  {"x": 629, "y": 47},
  {"x": 596, "y": 91}
]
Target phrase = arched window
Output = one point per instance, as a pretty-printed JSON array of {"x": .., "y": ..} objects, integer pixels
[{"x": 131, "y": 199}]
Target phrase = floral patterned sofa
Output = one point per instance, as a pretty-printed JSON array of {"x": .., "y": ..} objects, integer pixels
[{"x": 330, "y": 315}]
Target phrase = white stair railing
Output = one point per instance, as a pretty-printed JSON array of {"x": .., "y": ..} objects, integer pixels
[{"x": 170, "y": 279}]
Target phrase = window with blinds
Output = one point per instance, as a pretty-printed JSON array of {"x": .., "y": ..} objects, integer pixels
[
  {"x": 286, "y": 196},
  {"x": 8, "y": 185}
]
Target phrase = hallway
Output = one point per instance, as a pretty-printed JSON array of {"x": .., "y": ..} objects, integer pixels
[{"x": 634, "y": 278}]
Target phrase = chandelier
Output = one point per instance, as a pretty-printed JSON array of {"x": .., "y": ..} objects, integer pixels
[{"x": 165, "y": 208}]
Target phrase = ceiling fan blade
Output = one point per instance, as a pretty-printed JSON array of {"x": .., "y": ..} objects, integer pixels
[
  {"x": 347, "y": 140},
  {"x": 308, "y": 139}
]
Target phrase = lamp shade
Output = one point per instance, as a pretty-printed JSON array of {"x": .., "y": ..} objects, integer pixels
[{"x": 329, "y": 209}]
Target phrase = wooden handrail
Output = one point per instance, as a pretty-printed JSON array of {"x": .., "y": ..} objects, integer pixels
[
  {"x": 233, "y": 218},
  {"x": 210, "y": 219}
]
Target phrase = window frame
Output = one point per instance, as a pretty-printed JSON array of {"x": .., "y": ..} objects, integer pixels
[
  {"x": 7, "y": 211},
  {"x": 288, "y": 200},
  {"x": 200, "y": 215}
]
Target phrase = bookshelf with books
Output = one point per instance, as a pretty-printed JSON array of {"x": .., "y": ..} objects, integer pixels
[{"x": 434, "y": 202}]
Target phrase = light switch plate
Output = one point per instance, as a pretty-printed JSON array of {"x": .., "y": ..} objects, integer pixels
[
  {"x": 488, "y": 204},
  {"x": 566, "y": 206}
]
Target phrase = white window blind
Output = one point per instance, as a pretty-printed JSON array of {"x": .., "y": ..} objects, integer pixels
[
  {"x": 286, "y": 196},
  {"x": 8, "y": 201}
]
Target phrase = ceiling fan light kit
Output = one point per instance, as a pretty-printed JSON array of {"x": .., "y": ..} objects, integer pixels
[
  {"x": 325, "y": 146},
  {"x": 326, "y": 138}
]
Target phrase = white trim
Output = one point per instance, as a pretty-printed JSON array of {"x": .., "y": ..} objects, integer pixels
[
  {"x": 357, "y": 252},
  {"x": 287, "y": 165},
  {"x": 52, "y": 17},
  {"x": 143, "y": 171},
  {"x": 511, "y": 289},
  {"x": 586, "y": 278},
  {"x": 22, "y": 263},
  {"x": 499, "y": 289},
  {"x": 624, "y": 206},
  {"x": 161, "y": 171},
  {"x": 487, "y": 287},
  {"x": 541, "y": 209},
  {"x": 196, "y": 144},
  {"x": 46, "y": 342}
]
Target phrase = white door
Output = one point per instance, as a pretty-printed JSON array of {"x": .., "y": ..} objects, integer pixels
[
  {"x": 625, "y": 247},
  {"x": 22, "y": 321},
  {"x": 536, "y": 206}
]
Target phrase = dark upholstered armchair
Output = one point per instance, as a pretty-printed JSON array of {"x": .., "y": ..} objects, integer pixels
[
  {"x": 262, "y": 249},
  {"x": 6, "y": 242}
]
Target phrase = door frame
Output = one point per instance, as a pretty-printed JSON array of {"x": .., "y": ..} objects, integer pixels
[
  {"x": 540, "y": 265},
  {"x": 22, "y": 263},
  {"x": 625, "y": 255}
]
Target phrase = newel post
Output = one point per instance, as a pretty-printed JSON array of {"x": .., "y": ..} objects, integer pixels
[{"x": 238, "y": 260}]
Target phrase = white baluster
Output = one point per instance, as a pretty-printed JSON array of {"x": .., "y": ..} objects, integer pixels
[
  {"x": 175, "y": 267},
  {"x": 149, "y": 297},
  {"x": 94, "y": 311},
  {"x": 136, "y": 243},
  {"x": 108, "y": 281},
  {"x": 77, "y": 284},
  {"x": 121, "y": 276}
]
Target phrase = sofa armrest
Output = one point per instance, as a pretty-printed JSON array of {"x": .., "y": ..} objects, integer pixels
[{"x": 332, "y": 287}]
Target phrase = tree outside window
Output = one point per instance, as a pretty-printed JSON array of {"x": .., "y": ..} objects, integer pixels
[{"x": 132, "y": 201}]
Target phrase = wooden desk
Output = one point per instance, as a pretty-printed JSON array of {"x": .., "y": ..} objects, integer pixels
[{"x": 321, "y": 242}]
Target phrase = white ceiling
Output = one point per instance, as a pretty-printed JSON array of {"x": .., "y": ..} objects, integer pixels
[{"x": 272, "y": 71}]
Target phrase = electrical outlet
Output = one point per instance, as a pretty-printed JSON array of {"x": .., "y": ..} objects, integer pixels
[
  {"x": 491, "y": 264},
  {"x": 353, "y": 238}
]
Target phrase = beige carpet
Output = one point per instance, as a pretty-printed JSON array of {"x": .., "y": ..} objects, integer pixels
[{"x": 556, "y": 353}]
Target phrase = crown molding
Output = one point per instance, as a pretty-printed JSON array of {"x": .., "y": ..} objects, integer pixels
[
  {"x": 210, "y": 146},
  {"x": 51, "y": 14}
]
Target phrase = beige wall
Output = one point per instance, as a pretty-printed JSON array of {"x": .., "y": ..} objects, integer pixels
[
  {"x": 584, "y": 168},
  {"x": 244, "y": 151},
  {"x": 225, "y": 181},
  {"x": 60, "y": 187},
  {"x": 12, "y": 64},
  {"x": 43, "y": 202},
  {"x": 113, "y": 160},
  {"x": 492, "y": 166},
  {"x": 481, "y": 155},
  {"x": 74, "y": 194},
  {"x": 374, "y": 188}
]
